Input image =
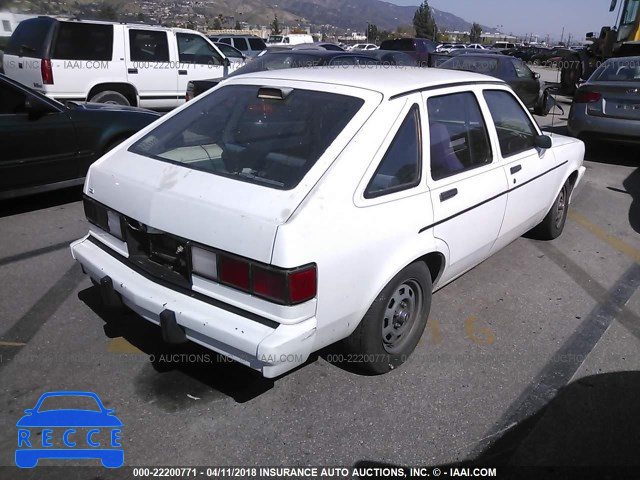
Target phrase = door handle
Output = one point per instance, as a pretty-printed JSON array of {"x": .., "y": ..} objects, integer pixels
[
  {"x": 516, "y": 169},
  {"x": 182, "y": 72},
  {"x": 448, "y": 194},
  {"x": 132, "y": 70}
]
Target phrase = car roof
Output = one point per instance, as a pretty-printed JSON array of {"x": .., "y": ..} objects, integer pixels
[{"x": 390, "y": 81}]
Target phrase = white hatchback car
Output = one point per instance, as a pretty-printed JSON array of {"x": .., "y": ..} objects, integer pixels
[{"x": 286, "y": 210}]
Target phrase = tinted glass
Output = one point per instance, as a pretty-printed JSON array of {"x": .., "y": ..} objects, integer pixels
[
  {"x": 29, "y": 37},
  {"x": 12, "y": 100},
  {"x": 458, "y": 136},
  {"x": 228, "y": 50},
  {"x": 402, "y": 44},
  {"x": 196, "y": 50},
  {"x": 226, "y": 40},
  {"x": 6, "y": 26},
  {"x": 148, "y": 46},
  {"x": 257, "y": 44},
  {"x": 234, "y": 133},
  {"x": 240, "y": 44},
  {"x": 400, "y": 166},
  {"x": 516, "y": 133},
  {"x": 83, "y": 41}
]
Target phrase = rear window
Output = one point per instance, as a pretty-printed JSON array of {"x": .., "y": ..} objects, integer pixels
[
  {"x": 237, "y": 134},
  {"x": 619, "y": 70},
  {"x": 83, "y": 41},
  {"x": 29, "y": 38},
  {"x": 470, "y": 63},
  {"x": 400, "y": 44}
]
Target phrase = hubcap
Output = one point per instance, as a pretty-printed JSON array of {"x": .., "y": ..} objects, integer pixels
[
  {"x": 561, "y": 208},
  {"x": 400, "y": 315}
]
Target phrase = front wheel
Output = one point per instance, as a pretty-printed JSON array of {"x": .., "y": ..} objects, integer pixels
[
  {"x": 553, "y": 224},
  {"x": 393, "y": 325}
]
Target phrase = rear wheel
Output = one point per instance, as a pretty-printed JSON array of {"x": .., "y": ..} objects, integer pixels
[
  {"x": 393, "y": 325},
  {"x": 553, "y": 224},
  {"x": 110, "y": 97}
]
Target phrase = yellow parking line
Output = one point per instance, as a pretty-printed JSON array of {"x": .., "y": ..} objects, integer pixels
[
  {"x": 12, "y": 344},
  {"x": 612, "y": 240},
  {"x": 120, "y": 345}
]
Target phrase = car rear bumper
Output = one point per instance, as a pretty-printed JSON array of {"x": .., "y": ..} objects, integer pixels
[
  {"x": 268, "y": 347},
  {"x": 592, "y": 127}
]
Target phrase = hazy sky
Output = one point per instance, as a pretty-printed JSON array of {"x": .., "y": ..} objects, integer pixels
[{"x": 542, "y": 17}]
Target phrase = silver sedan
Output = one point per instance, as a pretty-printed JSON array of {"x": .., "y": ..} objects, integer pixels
[{"x": 607, "y": 106}]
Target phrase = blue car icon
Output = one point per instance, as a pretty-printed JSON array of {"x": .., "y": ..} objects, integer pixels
[{"x": 69, "y": 433}]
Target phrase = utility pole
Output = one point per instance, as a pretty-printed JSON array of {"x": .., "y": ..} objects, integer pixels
[{"x": 562, "y": 36}]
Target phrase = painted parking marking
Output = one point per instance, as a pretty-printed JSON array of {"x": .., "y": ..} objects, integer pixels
[
  {"x": 120, "y": 345},
  {"x": 612, "y": 240}
]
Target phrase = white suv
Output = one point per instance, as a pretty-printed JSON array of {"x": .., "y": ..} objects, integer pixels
[{"x": 126, "y": 64}]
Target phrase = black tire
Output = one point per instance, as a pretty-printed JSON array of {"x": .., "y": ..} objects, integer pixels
[
  {"x": 551, "y": 227},
  {"x": 109, "y": 96},
  {"x": 407, "y": 300},
  {"x": 541, "y": 107},
  {"x": 569, "y": 77}
]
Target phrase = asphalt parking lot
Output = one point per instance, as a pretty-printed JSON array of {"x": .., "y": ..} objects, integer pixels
[{"x": 532, "y": 358}]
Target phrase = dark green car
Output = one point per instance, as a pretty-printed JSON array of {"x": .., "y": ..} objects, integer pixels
[{"x": 45, "y": 145}]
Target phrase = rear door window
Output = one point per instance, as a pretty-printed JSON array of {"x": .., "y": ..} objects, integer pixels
[
  {"x": 459, "y": 139},
  {"x": 257, "y": 44},
  {"x": 249, "y": 133},
  {"x": 83, "y": 41},
  {"x": 148, "y": 46},
  {"x": 240, "y": 44}
]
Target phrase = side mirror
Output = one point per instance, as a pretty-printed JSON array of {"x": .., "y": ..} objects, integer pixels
[
  {"x": 36, "y": 107},
  {"x": 226, "y": 62},
  {"x": 543, "y": 141}
]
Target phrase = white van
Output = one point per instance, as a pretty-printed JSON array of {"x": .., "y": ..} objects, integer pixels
[
  {"x": 106, "y": 62},
  {"x": 291, "y": 39}
]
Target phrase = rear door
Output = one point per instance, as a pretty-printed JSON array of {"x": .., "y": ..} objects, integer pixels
[
  {"x": 467, "y": 181},
  {"x": 152, "y": 67},
  {"x": 34, "y": 149}
]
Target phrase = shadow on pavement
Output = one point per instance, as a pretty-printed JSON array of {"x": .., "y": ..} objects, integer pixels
[
  {"x": 173, "y": 371},
  {"x": 592, "y": 423},
  {"x": 16, "y": 206},
  {"x": 632, "y": 187}
]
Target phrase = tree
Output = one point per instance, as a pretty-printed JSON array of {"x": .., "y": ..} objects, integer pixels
[
  {"x": 275, "y": 26},
  {"x": 107, "y": 12},
  {"x": 372, "y": 32},
  {"x": 424, "y": 23},
  {"x": 238, "y": 26},
  {"x": 217, "y": 24},
  {"x": 476, "y": 33}
]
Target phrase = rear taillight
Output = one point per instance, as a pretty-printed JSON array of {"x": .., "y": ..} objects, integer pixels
[
  {"x": 585, "y": 96},
  {"x": 47, "y": 72},
  {"x": 279, "y": 285},
  {"x": 101, "y": 216}
]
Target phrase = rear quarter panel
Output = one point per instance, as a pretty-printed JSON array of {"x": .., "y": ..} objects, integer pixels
[{"x": 359, "y": 245}]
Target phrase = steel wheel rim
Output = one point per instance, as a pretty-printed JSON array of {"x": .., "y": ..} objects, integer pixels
[
  {"x": 403, "y": 308},
  {"x": 562, "y": 206}
]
